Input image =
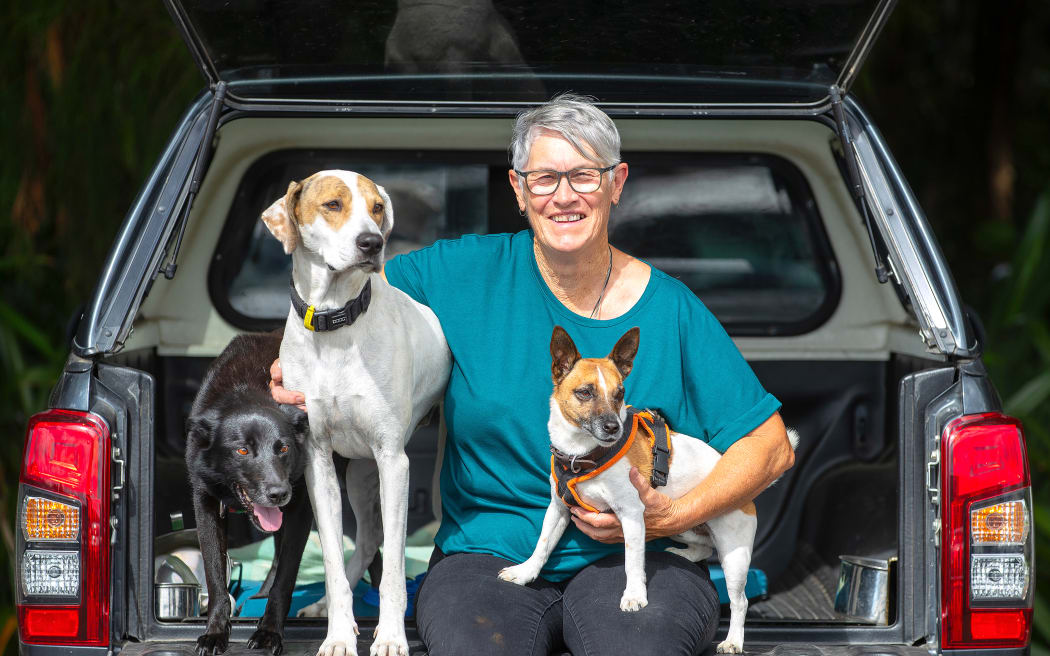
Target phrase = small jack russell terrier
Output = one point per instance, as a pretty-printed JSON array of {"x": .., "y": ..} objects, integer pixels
[
  {"x": 595, "y": 440},
  {"x": 371, "y": 362}
]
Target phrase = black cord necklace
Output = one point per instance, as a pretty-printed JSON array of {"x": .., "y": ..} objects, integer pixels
[{"x": 608, "y": 274}]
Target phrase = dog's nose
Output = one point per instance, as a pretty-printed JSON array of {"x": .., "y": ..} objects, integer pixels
[
  {"x": 611, "y": 426},
  {"x": 278, "y": 494},
  {"x": 369, "y": 243}
]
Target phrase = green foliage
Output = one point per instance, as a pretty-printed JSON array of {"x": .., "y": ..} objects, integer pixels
[{"x": 92, "y": 90}]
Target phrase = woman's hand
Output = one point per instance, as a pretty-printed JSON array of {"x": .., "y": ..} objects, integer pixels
[
  {"x": 278, "y": 392},
  {"x": 662, "y": 518},
  {"x": 747, "y": 467}
]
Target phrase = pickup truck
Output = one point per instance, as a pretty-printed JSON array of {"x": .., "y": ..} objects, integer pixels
[{"x": 903, "y": 528}]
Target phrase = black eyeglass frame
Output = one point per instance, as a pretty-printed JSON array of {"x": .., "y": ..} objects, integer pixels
[{"x": 565, "y": 174}]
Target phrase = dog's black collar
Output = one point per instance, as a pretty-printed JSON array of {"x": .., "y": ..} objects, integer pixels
[{"x": 322, "y": 320}]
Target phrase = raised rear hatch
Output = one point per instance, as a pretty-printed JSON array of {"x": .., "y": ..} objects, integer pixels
[{"x": 715, "y": 52}]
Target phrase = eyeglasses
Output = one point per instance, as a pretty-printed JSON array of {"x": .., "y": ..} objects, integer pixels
[{"x": 545, "y": 182}]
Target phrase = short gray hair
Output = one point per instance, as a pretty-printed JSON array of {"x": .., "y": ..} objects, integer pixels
[{"x": 590, "y": 130}]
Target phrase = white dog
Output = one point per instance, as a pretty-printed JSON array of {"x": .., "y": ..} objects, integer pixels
[
  {"x": 595, "y": 440},
  {"x": 372, "y": 362}
]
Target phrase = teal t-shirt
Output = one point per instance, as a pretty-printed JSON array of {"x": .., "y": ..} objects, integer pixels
[{"x": 497, "y": 314}]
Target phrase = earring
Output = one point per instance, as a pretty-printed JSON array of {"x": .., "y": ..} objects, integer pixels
[{"x": 521, "y": 211}]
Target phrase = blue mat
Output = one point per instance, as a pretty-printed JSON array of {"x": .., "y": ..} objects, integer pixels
[
  {"x": 756, "y": 586},
  {"x": 366, "y": 598}
]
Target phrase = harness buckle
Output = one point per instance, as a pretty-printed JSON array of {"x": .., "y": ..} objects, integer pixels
[
  {"x": 661, "y": 452},
  {"x": 660, "y": 466},
  {"x": 308, "y": 318}
]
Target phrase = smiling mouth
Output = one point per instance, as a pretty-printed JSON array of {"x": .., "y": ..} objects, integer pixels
[
  {"x": 265, "y": 518},
  {"x": 567, "y": 218}
]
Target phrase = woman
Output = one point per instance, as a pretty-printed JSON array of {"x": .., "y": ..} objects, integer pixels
[{"x": 498, "y": 298}]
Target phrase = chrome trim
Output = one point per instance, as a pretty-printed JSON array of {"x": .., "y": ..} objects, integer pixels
[
  {"x": 700, "y": 110},
  {"x": 510, "y": 109}
]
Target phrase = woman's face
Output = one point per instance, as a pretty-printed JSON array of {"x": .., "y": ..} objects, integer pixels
[{"x": 567, "y": 221}]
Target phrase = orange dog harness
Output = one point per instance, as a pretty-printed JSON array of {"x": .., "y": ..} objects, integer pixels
[{"x": 569, "y": 471}]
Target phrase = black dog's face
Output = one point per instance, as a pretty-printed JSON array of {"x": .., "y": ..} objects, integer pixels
[{"x": 256, "y": 452}]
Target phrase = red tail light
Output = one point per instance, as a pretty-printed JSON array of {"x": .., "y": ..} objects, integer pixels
[
  {"x": 988, "y": 557},
  {"x": 63, "y": 530}
]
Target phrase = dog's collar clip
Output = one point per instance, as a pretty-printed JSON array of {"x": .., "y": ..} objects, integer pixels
[
  {"x": 576, "y": 463},
  {"x": 323, "y": 320}
]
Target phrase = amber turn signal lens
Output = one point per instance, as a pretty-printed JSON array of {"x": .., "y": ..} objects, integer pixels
[
  {"x": 51, "y": 521},
  {"x": 1004, "y": 523}
]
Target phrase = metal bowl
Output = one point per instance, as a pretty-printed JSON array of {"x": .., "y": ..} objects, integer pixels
[
  {"x": 864, "y": 588},
  {"x": 178, "y": 560},
  {"x": 176, "y": 601}
]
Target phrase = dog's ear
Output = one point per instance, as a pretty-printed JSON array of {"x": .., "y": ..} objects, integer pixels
[
  {"x": 279, "y": 217},
  {"x": 300, "y": 422},
  {"x": 563, "y": 354},
  {"x": 200, "y": 429},
  {"x": 388, "y": 213},
  {"x": 623, "y": 353}
]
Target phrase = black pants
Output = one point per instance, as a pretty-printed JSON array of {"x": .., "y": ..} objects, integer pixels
[{"x": 464, "y": 608}]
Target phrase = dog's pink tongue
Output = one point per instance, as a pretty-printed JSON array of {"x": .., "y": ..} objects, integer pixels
[{"x": 269, "y": 517}]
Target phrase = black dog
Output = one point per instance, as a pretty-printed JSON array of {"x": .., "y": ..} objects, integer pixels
[{"x": 243, "y": 452}]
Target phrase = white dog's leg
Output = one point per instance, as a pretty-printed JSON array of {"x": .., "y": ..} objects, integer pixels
[
  {"x": 362, "y": 489},
  {"x": 555, "y": 521},
  {"x": 324, "y": 495},
  {"x": 734, "y": 536},
  {"x": 632, "y": 519},
  {"x": 390, "y": 637}
]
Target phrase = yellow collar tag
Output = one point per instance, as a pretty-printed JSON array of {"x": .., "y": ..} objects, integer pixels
[{"x": 308, "y": 319}]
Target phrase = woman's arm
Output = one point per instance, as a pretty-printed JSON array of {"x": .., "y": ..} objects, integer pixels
[{"x": 749, "y": 466}]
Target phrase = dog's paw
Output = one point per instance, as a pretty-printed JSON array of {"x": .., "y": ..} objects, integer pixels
[
  {"x": 633, "y": 601},
  {"x": 265, "y": 639},
  {"x": 729, "y": 647},
  {"x": 343, "y": 644},
  {"x": 519, "y": 574},
  {"x": 317, "y": 609},
  {"x": 693, "y": 553},
  {"x": 210, "y": 644},
  {"x": 389, "y": 640}
]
